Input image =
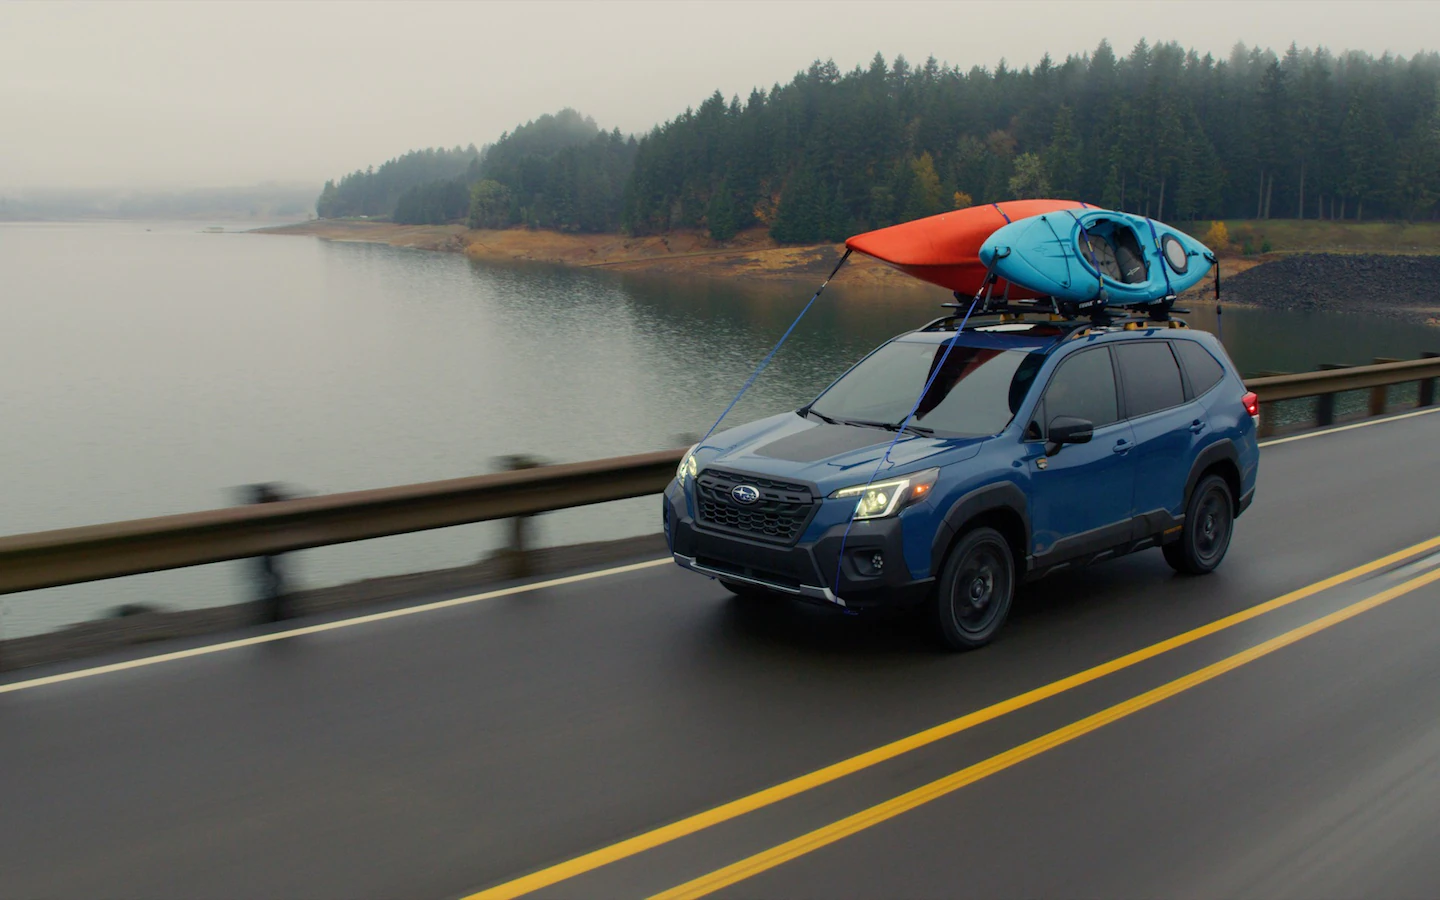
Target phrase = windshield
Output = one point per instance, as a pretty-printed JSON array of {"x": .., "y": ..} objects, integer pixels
[{"x": 976, "y": 394}]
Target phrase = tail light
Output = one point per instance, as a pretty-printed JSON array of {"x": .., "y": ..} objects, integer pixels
[{"x": 1252, "y": 405}]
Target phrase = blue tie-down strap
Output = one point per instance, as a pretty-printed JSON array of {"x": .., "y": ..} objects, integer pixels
[
  {"x": 885, "y": 458},
  {"x": 1160, "y": 255},
  {"x": 773, "y": 350}
]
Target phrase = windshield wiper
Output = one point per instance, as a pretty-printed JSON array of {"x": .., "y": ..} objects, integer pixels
[
  {"x": 867, "y": 423},
  {"x": 920, "y": 429},
  {"x": 819, "y": 415}
]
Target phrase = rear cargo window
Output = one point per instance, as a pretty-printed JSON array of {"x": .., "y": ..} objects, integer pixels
[{"x": 1200, "y": 366}]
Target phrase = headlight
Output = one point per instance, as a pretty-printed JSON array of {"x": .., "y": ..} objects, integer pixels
[
  {"x": 687, "y": 467},
  {"x": 885, "y": 498}
]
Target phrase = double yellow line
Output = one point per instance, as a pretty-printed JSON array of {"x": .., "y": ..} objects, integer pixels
[{"x": 768, "y": 859}]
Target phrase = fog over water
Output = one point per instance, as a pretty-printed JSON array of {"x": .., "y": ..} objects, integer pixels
[{"x": 146, "y": 95}]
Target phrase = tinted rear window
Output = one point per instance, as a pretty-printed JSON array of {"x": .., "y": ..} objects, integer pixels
[
  {"x": 1150, "y": 375},
  {"x": 1204, "y": 371}
]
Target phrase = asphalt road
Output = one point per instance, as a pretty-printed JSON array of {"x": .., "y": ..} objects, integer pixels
[{"x": 448, "y": 751}]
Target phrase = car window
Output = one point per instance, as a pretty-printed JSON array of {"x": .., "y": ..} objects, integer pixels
[
  {"x": 1204, "y": 371},
  {"x": 1150, "y": 375},
  {"x": 976, "y": 393},
  {"x": 1083, "y": 386}
]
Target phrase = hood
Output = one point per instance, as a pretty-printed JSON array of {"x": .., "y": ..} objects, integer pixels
[{"x": 831, "y": 456}]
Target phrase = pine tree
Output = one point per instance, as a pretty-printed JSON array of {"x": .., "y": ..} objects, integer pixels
[
  {"x": 721, "y": 215},
  {"x": 1064, "y": 156}
]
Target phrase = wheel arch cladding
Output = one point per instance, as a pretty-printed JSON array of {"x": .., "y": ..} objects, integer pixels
[
  {"x": 1220, "y": 458},
  {"x": 1001, "y": 506}
]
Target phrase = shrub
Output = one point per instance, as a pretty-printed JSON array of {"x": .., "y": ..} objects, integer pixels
[{"x": 1218, "y": 237}]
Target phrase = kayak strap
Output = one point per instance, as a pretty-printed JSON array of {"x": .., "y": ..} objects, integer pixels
[
  {"x": 899, "y": 431},
  {"x": 1090, "y": 249},
  {"x": 1001, "y": 212},
  {"x": 1219, "y": 311},
  {"x": 1164, "y": 266},
  {"x": 771, "y": 355}
]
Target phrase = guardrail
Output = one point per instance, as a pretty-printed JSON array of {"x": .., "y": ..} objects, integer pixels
[
  {"x": 90, "y": 553},
  {"x": 1333, "y": 379}
]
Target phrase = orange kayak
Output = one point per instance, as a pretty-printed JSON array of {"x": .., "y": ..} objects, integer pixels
[{"x": 945, "y": 249}]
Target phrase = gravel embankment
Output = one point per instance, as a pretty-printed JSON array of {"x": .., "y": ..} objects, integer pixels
[{"x": 1405, "y": 287}]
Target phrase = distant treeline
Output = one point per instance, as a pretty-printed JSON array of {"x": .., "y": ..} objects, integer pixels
[
  {"x": 560, "y": 172},
  {"x": 264, "y": 201},
  {"x": 375, "y": 192},
  {"x": 1163, "y": 131}
]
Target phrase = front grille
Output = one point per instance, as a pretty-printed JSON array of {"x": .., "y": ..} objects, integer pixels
[{"x": 780, "y": 515}]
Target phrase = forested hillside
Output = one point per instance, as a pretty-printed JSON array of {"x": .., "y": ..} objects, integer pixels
[
  {"x": 374, "y": 192},
  {"x": 559, "y": 172},
  {"x": 1162, "y": 131}
]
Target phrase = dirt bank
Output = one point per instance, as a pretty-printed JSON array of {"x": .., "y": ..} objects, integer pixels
[
  {"x": 1403, "y": 287},
  {"x": 751, "y": 254}
]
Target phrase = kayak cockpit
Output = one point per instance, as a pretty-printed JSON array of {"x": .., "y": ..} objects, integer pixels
[{"x": 1113, "y": 249}]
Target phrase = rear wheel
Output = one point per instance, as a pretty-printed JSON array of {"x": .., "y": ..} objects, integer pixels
[
  {"x": 1209, "y": 522},
  {"x": 976, "y": 587}
]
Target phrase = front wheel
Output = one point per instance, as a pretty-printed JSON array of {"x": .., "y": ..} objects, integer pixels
[
  {"x": 977, "y": 584},
  {"x": 1209, "y": 522}
]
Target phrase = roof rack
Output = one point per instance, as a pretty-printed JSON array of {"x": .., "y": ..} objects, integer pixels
[{"x": 1065, "y": 317}]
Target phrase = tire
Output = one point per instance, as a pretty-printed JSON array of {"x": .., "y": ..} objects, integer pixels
[
  {"x": 1209, "y": 524},
  {"x": 975, "y": 590}
]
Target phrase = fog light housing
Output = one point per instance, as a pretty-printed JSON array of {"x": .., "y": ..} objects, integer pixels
[{"x": 868, "y": 563}]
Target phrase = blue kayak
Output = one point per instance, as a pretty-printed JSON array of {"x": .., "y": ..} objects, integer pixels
[{"x": 1089, "y": 254}]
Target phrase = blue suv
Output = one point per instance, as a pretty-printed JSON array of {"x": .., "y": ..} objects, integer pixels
[{"x": 1039, "y": 446}]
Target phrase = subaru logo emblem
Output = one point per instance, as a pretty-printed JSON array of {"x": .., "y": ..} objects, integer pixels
[{"x": 745, "y": 493}]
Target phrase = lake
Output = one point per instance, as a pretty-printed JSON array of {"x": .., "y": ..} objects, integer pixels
[{"x": 150, "y": 368}]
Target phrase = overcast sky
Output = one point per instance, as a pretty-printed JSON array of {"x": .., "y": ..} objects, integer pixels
[{"x": 213, "y": 93}]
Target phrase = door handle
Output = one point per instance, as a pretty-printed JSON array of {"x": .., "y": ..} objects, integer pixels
[
  {"x": 1197, "y": 426},
  {"x": 1121, "y": 446}
]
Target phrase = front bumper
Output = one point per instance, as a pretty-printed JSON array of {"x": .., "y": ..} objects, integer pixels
[{"x": 811, "y": 569}]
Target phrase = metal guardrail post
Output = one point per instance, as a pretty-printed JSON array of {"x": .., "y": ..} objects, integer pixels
[
  {"x": 1380, "y": 393},
  {"x": 1325, "y": 403},
  {"x": 515, "y": 556},
  {"x": 271, "y": 592},
  {"x": 1427, "y": 385}
]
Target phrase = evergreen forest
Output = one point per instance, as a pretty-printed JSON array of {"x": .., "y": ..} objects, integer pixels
[{"x": 1161, "y": 131}]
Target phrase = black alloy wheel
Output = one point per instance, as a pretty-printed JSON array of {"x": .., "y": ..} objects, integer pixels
[
  {"x": 1209, "y": 522},
  {"x": 975, "y": 590}
]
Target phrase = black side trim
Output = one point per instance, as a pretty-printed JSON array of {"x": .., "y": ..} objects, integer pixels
[
  {"x": 1000, "y": 495},
  {"x": 1245, "y": 501},
  {"x": 1159, "y": 524},
  {"x": 1151, "y": 529},
  {"x": 1087, "y": 543},
  {"x": 1221, "y": 450}
]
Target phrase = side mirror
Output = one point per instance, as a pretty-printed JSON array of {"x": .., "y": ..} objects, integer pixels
[{"x": 1071, "y": 430}]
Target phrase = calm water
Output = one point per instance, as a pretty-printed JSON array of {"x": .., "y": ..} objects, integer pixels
[{"x": 151, "y": 369}]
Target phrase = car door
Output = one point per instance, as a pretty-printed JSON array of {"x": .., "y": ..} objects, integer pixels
[
  {"x": 1165, "y": 425},
  {"x": 1081, "y": 497}
]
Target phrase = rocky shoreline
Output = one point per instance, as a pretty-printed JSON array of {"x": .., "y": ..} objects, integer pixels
[{"x": 1399, "y": 287}]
